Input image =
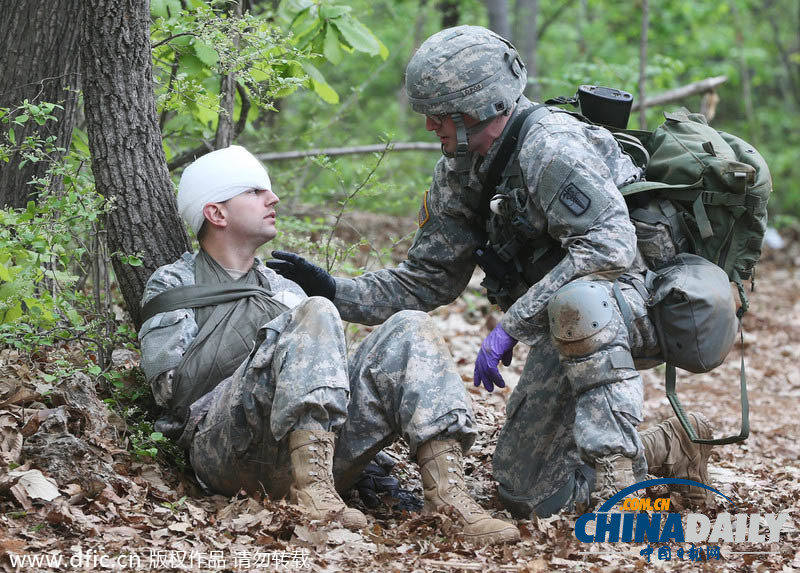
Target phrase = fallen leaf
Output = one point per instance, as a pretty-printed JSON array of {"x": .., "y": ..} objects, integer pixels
[
  {"x": 180, "y": 527},
  {"x": 338, "y": 536},
  {"x": 312, "y": 537},
  {"x": 30, "y": 483},
  {"x": 10, "y": 440}
]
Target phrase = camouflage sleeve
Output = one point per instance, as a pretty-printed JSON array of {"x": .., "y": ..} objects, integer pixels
[
  {"x": 166, "y": 336},
  {"x": 437, "y": 269},
  {"x": 571, "y": 185}
]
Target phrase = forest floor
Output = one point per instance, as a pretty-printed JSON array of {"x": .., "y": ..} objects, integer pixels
[{"x": 80, "y": 496}]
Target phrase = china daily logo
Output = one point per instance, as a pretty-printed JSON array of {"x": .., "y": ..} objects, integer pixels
[{"x": 634, "y": 524}]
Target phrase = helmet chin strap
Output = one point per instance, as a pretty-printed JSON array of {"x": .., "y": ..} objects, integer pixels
[{"x": 462, "y": 155}]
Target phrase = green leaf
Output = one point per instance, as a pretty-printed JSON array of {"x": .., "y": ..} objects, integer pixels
[
  {"x": 4, "y": 274},
  {"x": 193, "y": 65},
  {"x": 80, "y": 140},
  {"x": 321, "y": 87},
  {"x": 331, "y": 49},
  {"x": 12, "y": 137},
  {"x": 289, "y": 10},
  {"x": 359, "y": 36},
  {"x": 13, "y": 313},
  {"x": 384, "y": 51},
  {"x": 21, "y": 118},
  {"x": 164, "y": 8},
  {"x": 298, "y": 18},
  {"x": 133, "y": 261},
  {"x": 206, "y": 53},
  {"x": 94, "y": 370},
  {"x": 157, "y": 436},
  {"x": 330, "y": 12},
  {"x": 309, "y": 33}
]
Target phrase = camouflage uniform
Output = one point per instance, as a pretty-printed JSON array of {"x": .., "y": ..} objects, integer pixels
[
  {"x": 559, "y": 420},
  {"x": 297, "y": 378}
]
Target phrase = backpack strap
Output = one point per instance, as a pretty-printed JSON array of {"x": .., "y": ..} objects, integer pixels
[
  {"x": 507, "y": 149},
  {"x": 672, "y": 396},
  {"x": 193, "y": 296}
]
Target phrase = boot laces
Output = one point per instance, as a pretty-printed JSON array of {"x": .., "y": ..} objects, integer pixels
[
  {"x": 458, "y": 488},
  {"x": 323, "y": 483},
  {"x": 608, "y": 482}
]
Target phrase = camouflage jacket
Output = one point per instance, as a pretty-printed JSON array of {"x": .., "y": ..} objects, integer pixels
[
  {"x": 568, "y": 175},
  {"x": 166, "y": 336}
]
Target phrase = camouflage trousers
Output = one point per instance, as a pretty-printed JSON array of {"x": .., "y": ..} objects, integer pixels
[
  {"x": 401, "y": 382},
  {"x": 544, "y": 460}
]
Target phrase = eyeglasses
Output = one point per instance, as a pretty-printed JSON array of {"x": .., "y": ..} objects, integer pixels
[{"x": 437, "y": 120}]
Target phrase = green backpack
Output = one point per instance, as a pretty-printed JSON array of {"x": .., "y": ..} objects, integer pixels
[
  {"x": 705, "y": 193},
  {"x": 706, "y": 189}
]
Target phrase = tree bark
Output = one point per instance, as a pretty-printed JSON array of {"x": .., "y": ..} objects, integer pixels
[
  {"x": 498, "y": 17},
  {"x": 39, "y": 42},
  {"x": 744, "y": 72},
  {"x": 527, "y": 41},
  {"x": 583, "y": 20},
  {"x": 450, "y": 13},
  {"x": 227, "y": 91},
  {"x": 643, "y": 62},
  {"x": 128, "y": 159}
]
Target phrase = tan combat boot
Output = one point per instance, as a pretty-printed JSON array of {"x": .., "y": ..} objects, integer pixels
[
  {"x": 670, "y": 453},
  {"x": 442, "y": 469},
  {"x": 613, "y": 474},
  {"x": 311, "y": 455}
]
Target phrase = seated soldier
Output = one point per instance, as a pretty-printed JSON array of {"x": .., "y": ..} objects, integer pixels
[{"x": 255, "y": 376}]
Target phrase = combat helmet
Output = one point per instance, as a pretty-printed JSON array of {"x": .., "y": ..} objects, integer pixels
[{"x": 466, "y": 70}]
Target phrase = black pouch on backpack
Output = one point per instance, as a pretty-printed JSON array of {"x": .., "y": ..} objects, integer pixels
[{"x": 694, "y": 312}]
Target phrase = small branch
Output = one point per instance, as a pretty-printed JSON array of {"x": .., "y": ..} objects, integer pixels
[
  {"x": 172, "y": 74},
  {"x": 355, "y": 150},
  {"x": 190, "y": 155},
  {"x": 706, "y": 85},
  {"x": 553, "y": 18},
  {"x": 329, "y": 263},
  {"x": 167, "y": 40}
]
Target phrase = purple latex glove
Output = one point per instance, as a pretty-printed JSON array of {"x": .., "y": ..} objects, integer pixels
[{"x": 498, "y": 346}]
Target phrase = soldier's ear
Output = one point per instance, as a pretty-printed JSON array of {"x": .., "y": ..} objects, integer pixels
[{"x": 216, "y": 214}]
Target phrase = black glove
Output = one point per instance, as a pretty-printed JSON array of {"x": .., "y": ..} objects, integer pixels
[
  {"x": 314, "y": 280},
  {"x": 375, "y": 480}
]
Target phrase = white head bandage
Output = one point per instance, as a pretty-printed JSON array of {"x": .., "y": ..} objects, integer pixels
[{"x": 216, "y": 177}]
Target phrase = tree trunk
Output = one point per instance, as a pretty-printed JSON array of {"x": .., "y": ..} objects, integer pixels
[
  {"x": 227, "y": 91},
  {"x": 527, "y": 41},
  {"x": 450, "y": 13},
  {"x": 38, "y": 43},
  {"x": 498, "y": 17},
  {"x": 643, "y": 62},
  {"x": 583, "y": 21},
  {"x": 744, "y": 72},
  {"x": 128, "y": 160}
]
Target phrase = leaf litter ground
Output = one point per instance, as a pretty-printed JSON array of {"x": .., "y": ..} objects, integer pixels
[{"x": 74, "y": 487}]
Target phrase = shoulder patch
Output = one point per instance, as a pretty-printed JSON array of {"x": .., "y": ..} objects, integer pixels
[
  {"x": 423, "y": 215},
  {"x": 575, "y": 200}
]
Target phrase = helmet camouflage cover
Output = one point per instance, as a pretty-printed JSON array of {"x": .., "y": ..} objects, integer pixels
[{"x": 466, "y": 69}]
